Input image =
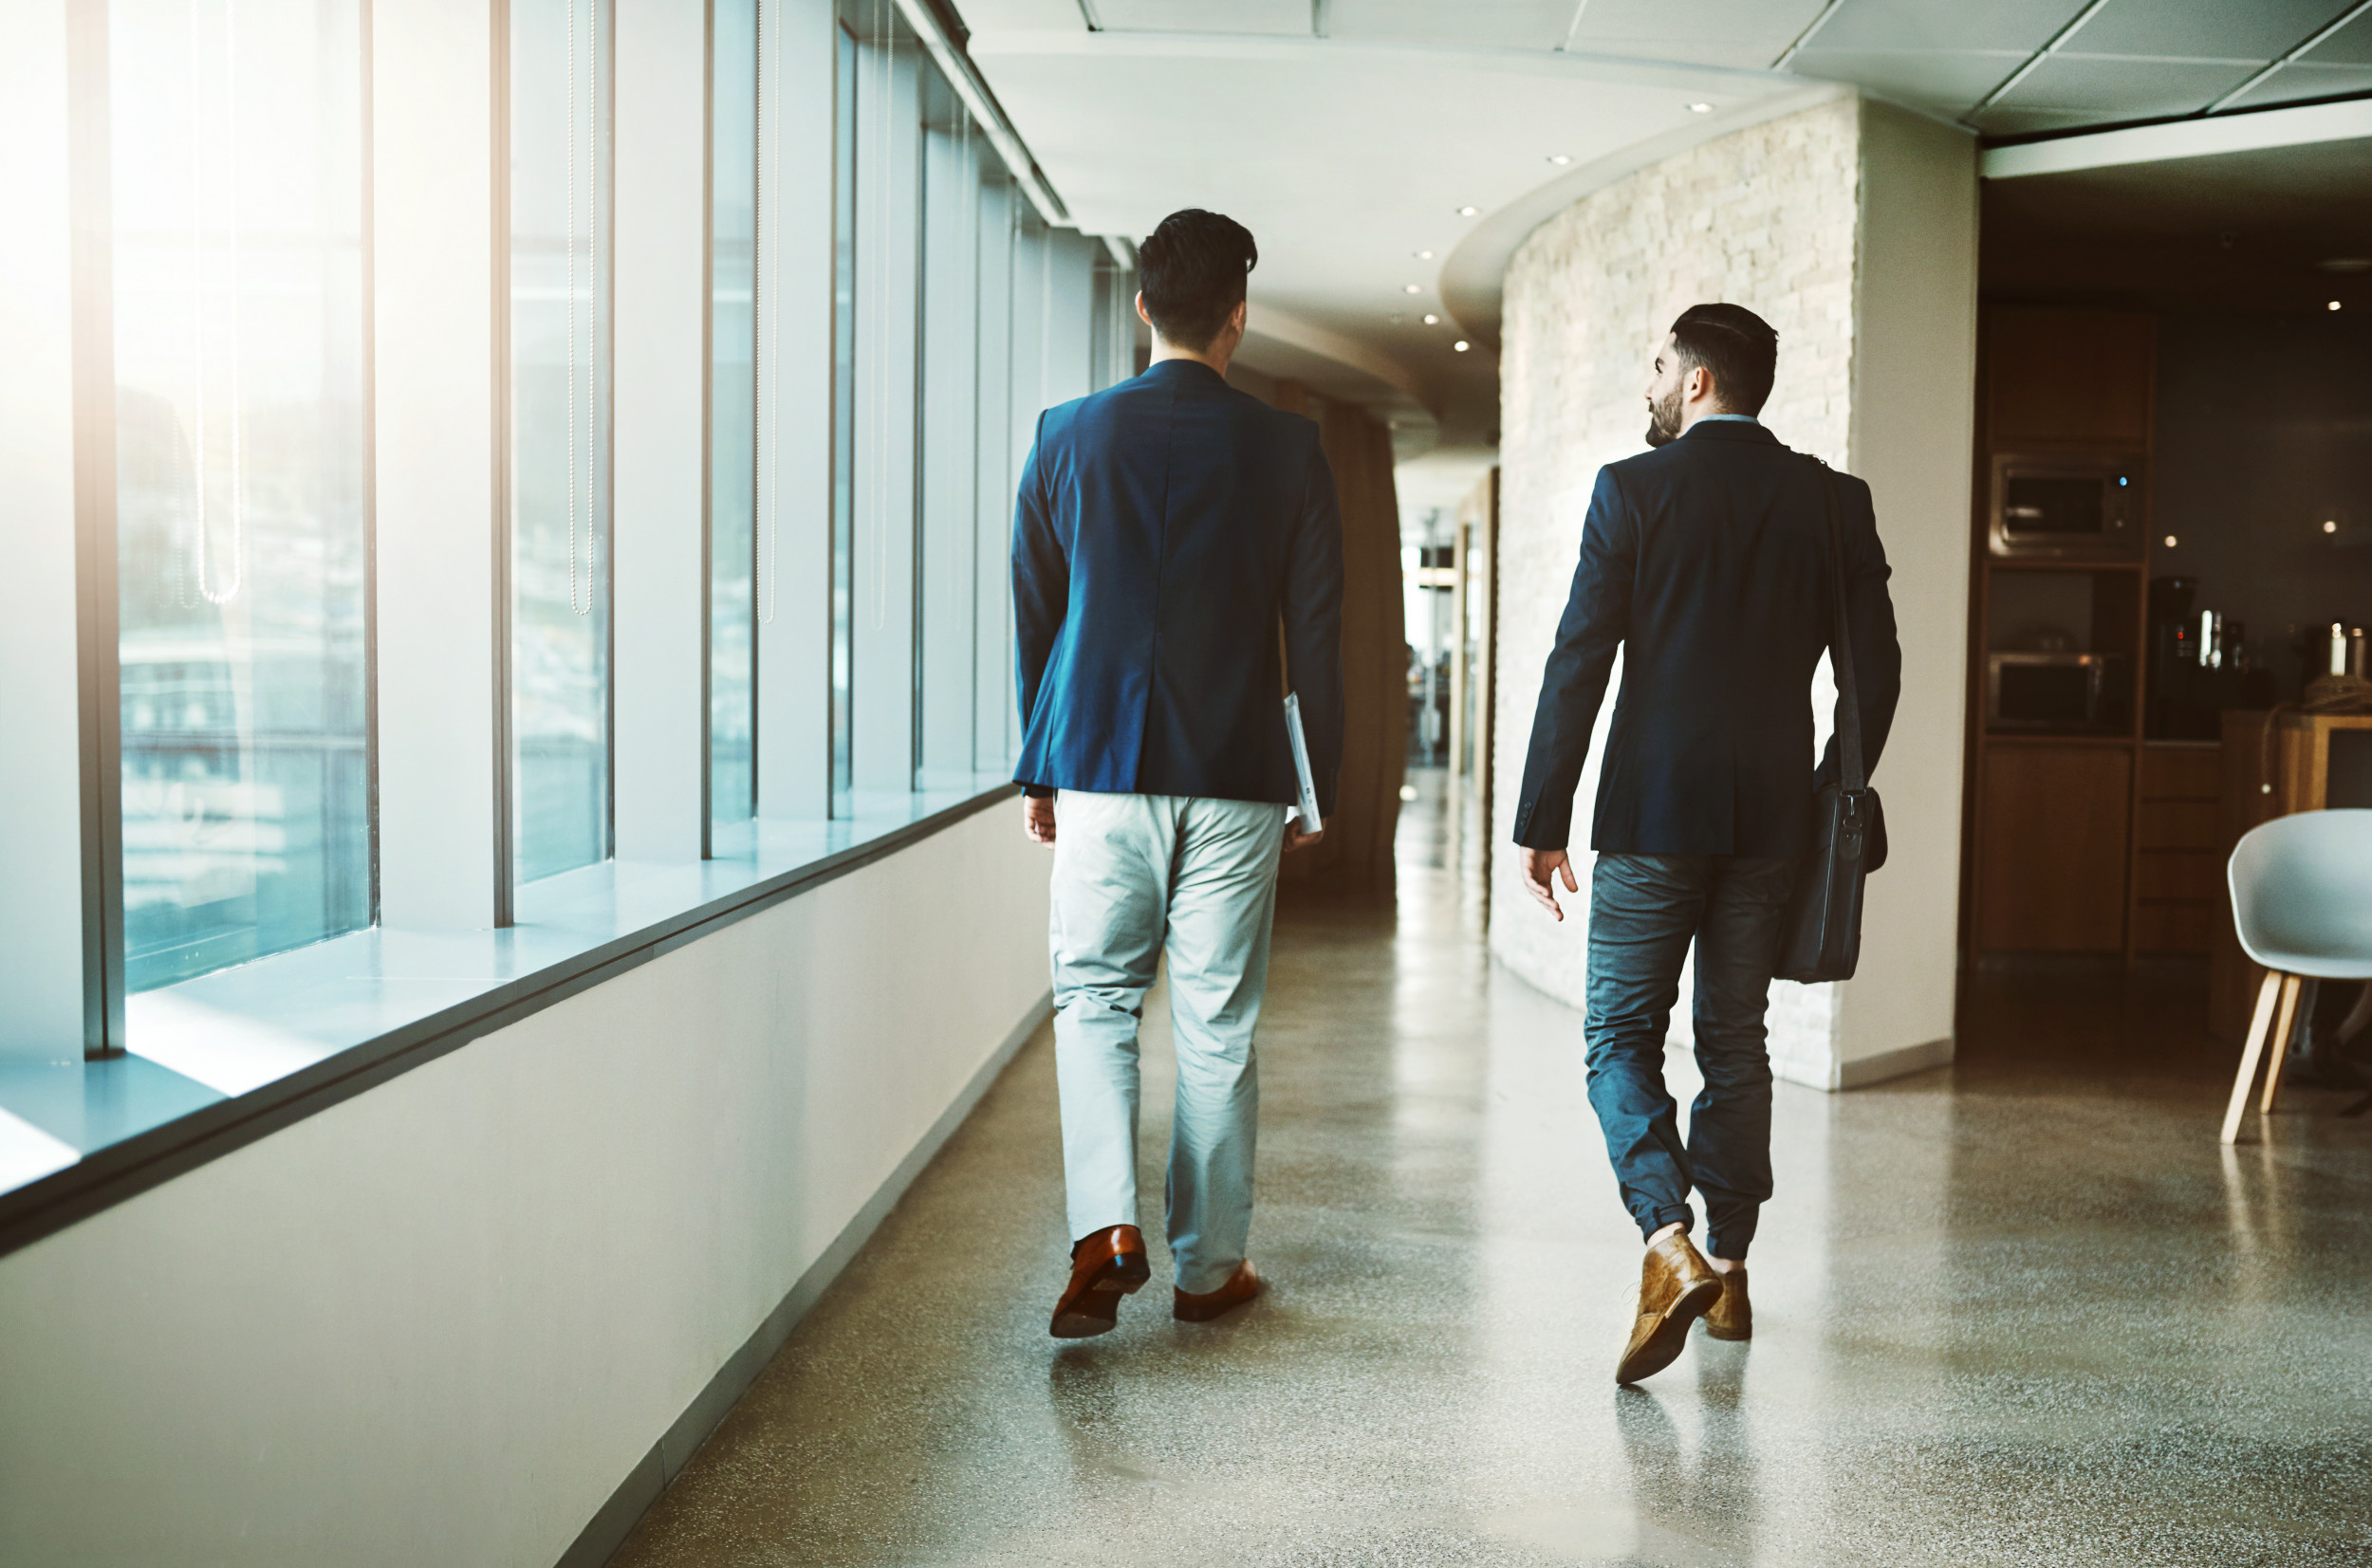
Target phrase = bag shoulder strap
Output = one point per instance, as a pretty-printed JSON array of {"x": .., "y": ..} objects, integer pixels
[{"x": 1853, "y": 778}]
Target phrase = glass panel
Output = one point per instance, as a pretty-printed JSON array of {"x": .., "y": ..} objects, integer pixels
[
  {"x": 560, "y": 436},
  {"x": 733, "y": 409},
  {"x": 241, "y": 487},
  {"x": 844, "y": 408},
  {"x": 944, "y": 636},
  {"x": 993, "y": 659}
]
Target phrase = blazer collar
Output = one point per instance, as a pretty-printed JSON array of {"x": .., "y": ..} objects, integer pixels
[
  {"x": 1729, "y": 430},
  {"x": 1176, "y": 368}
]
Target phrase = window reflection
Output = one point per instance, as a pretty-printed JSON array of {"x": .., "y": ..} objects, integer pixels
[
  {"x": 560, "y": 431},
  {"x": 741, "y": 31},
  {"x": 240, "y": 488}
]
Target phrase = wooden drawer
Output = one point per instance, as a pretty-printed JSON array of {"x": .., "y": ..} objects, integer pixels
[
  {"x": 2182, "y": 772},
  {"x": 2191, "y": 874},
  {"x": 2175, "y": 927},
  {"x": 2178, "y": 824}
]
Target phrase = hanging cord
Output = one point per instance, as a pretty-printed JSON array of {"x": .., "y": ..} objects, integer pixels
[
  {"x": 765, "y": 336},
  {"x": 197, "y": 316}
]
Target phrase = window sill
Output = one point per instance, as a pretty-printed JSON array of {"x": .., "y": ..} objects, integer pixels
[{"x": 218, "y": 1061}]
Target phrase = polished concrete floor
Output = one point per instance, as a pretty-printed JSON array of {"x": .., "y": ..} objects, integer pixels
[{"x": 2023, "y": 1310}]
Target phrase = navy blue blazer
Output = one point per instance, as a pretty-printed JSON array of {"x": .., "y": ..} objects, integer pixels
[
  {"x": 1706, "y": 561},
  {"x": 1164, "y": 525}
]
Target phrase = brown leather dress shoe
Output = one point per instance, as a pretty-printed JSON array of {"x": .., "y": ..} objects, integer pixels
[
  {"x": 1104, "y": 1268},
  {"x": 1241, "y": 1286},
  {"x": 1675, "y": 1287},
  {"x": 1730, "y": 1318}
]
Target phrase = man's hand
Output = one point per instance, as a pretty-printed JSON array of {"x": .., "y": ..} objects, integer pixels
[
  {"x": 1037, "y": 819},
  {"x": 1541, "y": 866},
  {"x": 1297, "y": 839}
]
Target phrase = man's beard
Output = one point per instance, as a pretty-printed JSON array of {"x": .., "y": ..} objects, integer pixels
[{"x": 1663, "y": 421}]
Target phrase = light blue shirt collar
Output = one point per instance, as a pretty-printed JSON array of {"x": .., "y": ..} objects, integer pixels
[{"x": 1744, "y": 418}]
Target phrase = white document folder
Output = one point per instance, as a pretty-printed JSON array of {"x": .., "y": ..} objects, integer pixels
[{"x": 1308, "y": 808}]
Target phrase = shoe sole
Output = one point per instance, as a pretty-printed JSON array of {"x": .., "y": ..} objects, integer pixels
[
  {"x": 1097, "y": 1309},
  {"x": 1732, "y": 1335},
  {"x": 1671, "y": 1336},
  {"x": 1185, "y": 1314}
]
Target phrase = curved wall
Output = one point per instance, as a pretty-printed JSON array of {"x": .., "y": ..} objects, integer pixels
[{"x": 1851, "y": 227}]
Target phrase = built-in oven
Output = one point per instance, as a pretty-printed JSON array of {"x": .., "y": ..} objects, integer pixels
[
  {"x": 2072, "y": 507},
  {"x": 2072, "y": 692}
]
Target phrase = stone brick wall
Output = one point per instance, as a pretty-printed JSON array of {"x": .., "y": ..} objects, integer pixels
[{"x": 1766, "y": 217}]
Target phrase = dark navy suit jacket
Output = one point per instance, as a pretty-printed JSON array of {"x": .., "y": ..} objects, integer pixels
[
  {"x": 1164, "y": 524},
  {"x": 1706, "y": 562}
]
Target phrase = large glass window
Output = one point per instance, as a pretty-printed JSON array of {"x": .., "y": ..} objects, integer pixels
[
  {"x": 242, "y": 477},
  {"x": 944, "y": 638},
  {"x": 560, "y": 94},
  {"x": 843, "y": 558},
  {"x": 739, "y": 141}
]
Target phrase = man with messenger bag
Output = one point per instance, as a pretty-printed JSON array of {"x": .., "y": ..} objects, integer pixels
[{"x": 1723, "y": 565}]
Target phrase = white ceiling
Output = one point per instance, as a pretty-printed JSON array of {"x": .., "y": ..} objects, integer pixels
[{"x": 1348, "y": 133}]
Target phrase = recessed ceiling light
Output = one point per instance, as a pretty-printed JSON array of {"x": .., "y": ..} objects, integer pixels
[
  {"x": 1700, "y": 108},
  {"x": 1461, "y": 345},
  {"x": 1560, "y": 160},
  {"x": 1410, "y": 288},
  {"x": 2331, "y": 526},
  {"x": 1468, "y": 212},
  {"x": 1424, "y": 256},
  {"x": 2334, "y": 304},
  {"x": 1432, "y": 320},
  {"x": 2170, "y": 541}
]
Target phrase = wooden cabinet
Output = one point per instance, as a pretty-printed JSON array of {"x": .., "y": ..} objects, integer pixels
[
  {"x": 2053, "y": 830},
  {"x": 2069, "y": 377}
]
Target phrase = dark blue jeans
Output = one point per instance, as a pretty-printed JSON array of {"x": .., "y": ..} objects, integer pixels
[{"x": 1644, "y": 910}]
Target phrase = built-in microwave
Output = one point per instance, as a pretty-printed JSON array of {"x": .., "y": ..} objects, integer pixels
[
  {"x": 2073, "y": 692},
  {"x": 2070, "y": 506}
]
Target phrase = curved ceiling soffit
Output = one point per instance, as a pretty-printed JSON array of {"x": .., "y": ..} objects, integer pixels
[
  {"x": 1266, "y": 320},
  {"x": 1473, "y": 278}
]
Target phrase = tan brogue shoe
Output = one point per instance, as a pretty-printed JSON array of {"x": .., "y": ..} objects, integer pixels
[
  {"x": 1675, "y": 1287},
  {"x": 1241, "y": 1286},
  {"x": 1733, "y": 1316},
  {"x": 1104, "y": 1268}
]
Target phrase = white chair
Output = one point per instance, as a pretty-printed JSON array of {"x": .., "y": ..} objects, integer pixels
[{"x": 2302, "y": 898}]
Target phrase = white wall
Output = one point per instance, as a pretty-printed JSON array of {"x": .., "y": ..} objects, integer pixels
[
  {"x": 1914, "y": 433},
  {"x": 1851, "y": 229},
  {"x": 441, "y": 1322}
]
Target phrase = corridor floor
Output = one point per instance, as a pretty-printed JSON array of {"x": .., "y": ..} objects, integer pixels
[{"x": 2023, "y": 1310}]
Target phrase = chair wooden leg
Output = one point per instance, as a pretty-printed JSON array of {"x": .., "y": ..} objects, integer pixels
[
  {"x": 2260, "y": 1024},
  {"x": 2277, "y": 1049}
]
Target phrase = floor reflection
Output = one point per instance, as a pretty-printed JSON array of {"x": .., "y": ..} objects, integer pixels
[{"x": 2022, "y": 1311}]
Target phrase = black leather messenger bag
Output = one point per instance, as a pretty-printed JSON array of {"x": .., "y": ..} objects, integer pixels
[{"x": 1822, "y": 939}]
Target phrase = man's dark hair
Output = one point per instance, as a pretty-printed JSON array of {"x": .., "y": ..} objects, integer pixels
[
  {"x": 1733, "y": 346},
  {"x": 1192, "y": 271}
]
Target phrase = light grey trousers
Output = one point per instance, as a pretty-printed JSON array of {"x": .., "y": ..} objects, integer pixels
[{"x": 1134, "y": 873}]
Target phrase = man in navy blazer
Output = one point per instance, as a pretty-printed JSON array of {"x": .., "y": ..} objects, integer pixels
[
  {"x": 1174, "y": 539},
  {"x": 1706, "y": 562}
]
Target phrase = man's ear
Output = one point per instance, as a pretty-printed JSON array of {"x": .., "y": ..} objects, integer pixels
[
  {"x": 1140, "y": 309},
  {"x": 1236, "y": 317},
  {"x": 1699, "y": 383}
]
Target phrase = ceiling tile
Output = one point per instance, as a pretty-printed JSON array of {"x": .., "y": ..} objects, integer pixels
[
  {"x": 2126, "y": 89},
  {"x": 1023, "y": 16},
  {"x": 1506, "y": 24},
  {"x": 1248, "y": 16},
  {"x": 2205, "y": 30},
  {"x": 2296, "y": 84},
  {"x": 1746, "y": 33},
  {"x": 1999, "y": 120},
  {"x": 2350, "y": 46},
  {"x": 1940, "y": 79},
  {"x": 1890, "y": 24}
]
